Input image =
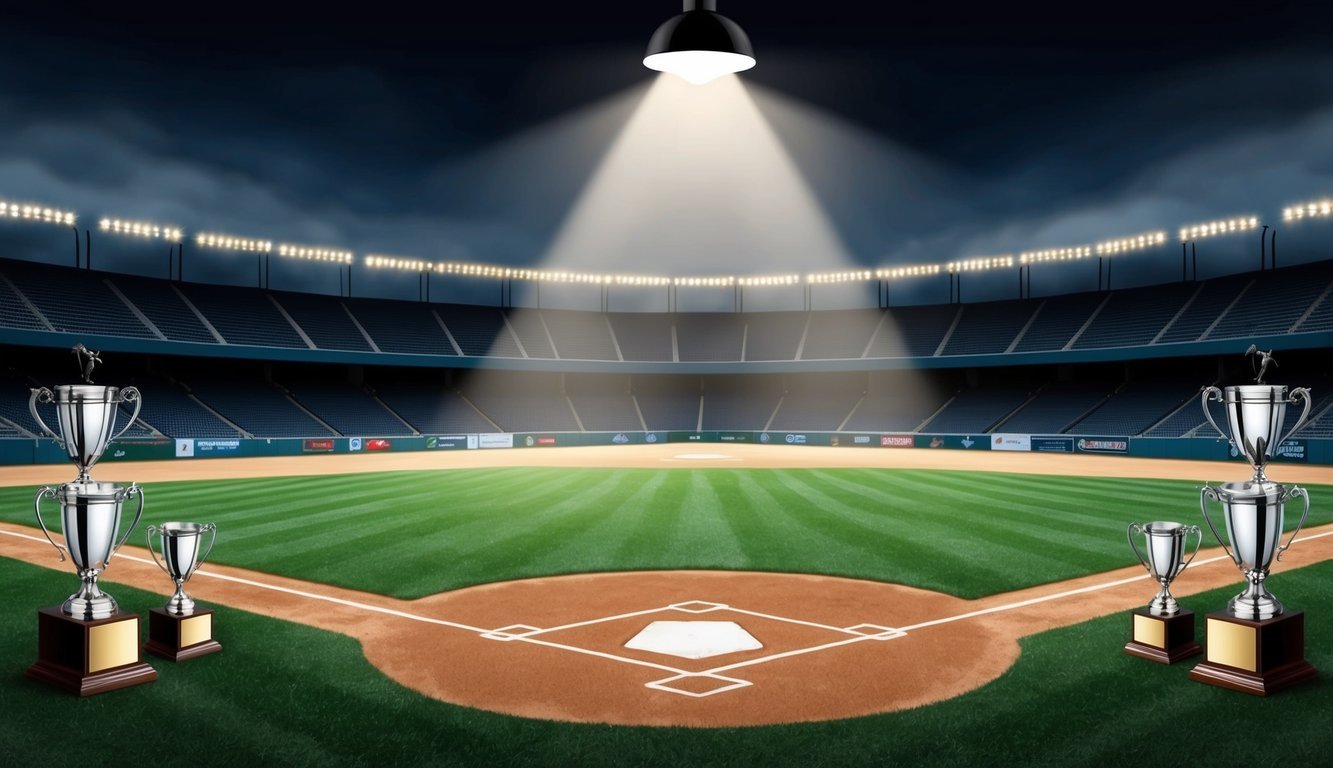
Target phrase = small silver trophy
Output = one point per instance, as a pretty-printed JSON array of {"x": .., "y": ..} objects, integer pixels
[
  {"x": 1165, "y": 543},
  {"x": 179, "y": 543}
]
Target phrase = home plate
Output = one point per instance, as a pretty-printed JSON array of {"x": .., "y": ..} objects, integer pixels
[{"x": 694, "y": 639}]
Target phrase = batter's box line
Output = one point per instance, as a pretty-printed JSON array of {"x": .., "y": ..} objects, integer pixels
[
  {"x": 730, "y": 684},
  {"x": 506, "y": 634}
]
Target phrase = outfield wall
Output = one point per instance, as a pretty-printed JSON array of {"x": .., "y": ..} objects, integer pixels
[{"x": 31, "y": 451}]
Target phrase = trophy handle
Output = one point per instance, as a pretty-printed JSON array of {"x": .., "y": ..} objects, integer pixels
[
  {"x": 132, "y": 394},
  {"x": 1135, "y": 527},
  {"x": 1210, "y": 394},
  {"x": 133, "y": 491},
  {"x": 1197, "y": 531},
  {"x": 42, "y": 395},
  {"x": 1304, "y": 393},
  {"x": 37, "y": 508},
  {"x": 213, "y": 529},
  {"x": 1207, "y": 492},
  {"x": 150, "y": 530},
  {"x": 1296, "y": 491}
]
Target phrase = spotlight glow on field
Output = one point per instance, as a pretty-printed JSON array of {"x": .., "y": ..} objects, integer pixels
[{"x": 697, "y": 178}]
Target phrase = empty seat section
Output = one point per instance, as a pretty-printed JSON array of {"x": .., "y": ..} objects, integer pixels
[
  {"x": 603, "y": 402},
  {"x": 258, "y": 408},
  {"x": 668, "y": 402},
  {"x": 580, "y": 335},
  {"x": 164, "y": 308},
  {"x": 840, "y": 334},
  {"x": 402, "y": 327},
  {"x": 1058, "y": 319},
  {"x": 710, "y": 336},
  {"x": 528, "y": 325},
  {"x": 521, "y": 402},
  {"x": 347, "y": 408},
  {"x": 173, "y": 413},
  {"x": 913, "y": 331},
  {"x": 1274, "y": 303},
  {"x": 75, "y": 300},
  {"x": 13, "y": 312},
  {"x": 773, "y": 335},
  {"x": 1206, "y": 307},
  {"x": 740, "y": 402},
  {"x": 324, "y": 320},
  {"x": 1056, "y": 407},
  {"x": 243, "y": 316},
  {"x": 988, "y": 328},
  {"x": 479, "y": 331},
  {"x": 643, "y": 335},
  {"x": 1134, "y": 317},
  {"x": 1137, "y": 406},
  {"x": 433, "y": 409},
  {"x": 975, "y": 410},
  {"x": 818, "y": 402}
]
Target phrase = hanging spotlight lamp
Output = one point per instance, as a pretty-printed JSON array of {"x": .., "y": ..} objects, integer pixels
[{"x": 699, "y": 45}]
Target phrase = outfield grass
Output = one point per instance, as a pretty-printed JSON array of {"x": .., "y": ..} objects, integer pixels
[
  {"x": 410, "y": 534},
  {"x": 285, "y": 694}
]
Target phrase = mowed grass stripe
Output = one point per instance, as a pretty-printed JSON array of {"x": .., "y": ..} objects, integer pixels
[{"x": 410, "y": 534}]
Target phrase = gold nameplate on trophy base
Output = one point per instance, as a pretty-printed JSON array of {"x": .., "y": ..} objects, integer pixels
[
  {"x": 113, "y": 645},
  {"x": 1234, "y": 645},
  {"x": 1149, "y": 631},
  {"x": 180, "y": 637}
]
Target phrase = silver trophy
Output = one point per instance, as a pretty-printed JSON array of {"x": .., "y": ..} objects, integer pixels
[
  {"x": 86, "y": 415},
  {"x": 179, "y": 543},
  {"x": 1253, "y": 512},
  {"x": 1256, "y": 413},
  {"x": 90, "y": 518},
  {"x": 1165, "y": 544}
]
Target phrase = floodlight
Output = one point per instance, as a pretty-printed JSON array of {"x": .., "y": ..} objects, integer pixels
[
  {"x": 980, "y": 264},
  {"x": 1055, "y": 254},
  {"x": 916, "y": 270},
  {"x": 232, "y": 243},
  {"x": 314, "y": 254},
  {"x": 699, "y": 45},
  {"x": 1127, "y": 244},
  {"x": 1316, "y": 209},
  {"x": 1220, "y": 227},
  {"x": 36, "y": 213},
  {"x": 146, "y": 229}
]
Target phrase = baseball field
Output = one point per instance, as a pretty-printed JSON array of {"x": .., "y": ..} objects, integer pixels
[{"x": 472, "y": 609}]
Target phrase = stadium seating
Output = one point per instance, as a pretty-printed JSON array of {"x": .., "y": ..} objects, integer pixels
[
  {"x": 530, "y": 328},
  {"x": 840, "y": 334},
  {"x": 348, "y": 409},
  {"x": 1275, "y": 303},
  {"x": 173, "y": 413},
  {"x": 257, "y": 408},
  {"x": 243, "y": 315},
  {"x": 1135, "y": 317},
  {"x": 402, "y": 327},
  {"x": 774, "y": 335},
  {"x": 1056, "y": 407},
  {"x": 1205, "y": 308},
  {"x": 479, "y": 331},
  {"x": 580, "y": 335},
  {"x": 989, "y": 327},
  {"x": 324, "y": 320},
  {"x": 913, "y": 331},
  {"x": 13, "y": 312},
  {"x": 159, "y": 301},
  {"x": 710, "y": 336},
  {"x": 975, "y": 411},
  {"x": 432, "y": 409},
  {"x": 1057, "y": 320},
  {"x": 740, "y": 402},
  {"x": 1136, "y": 407},
  {"x": 818, "y": 402},
  {"x": 644, "y": 335},
  {"x": 97, "y": 310}
]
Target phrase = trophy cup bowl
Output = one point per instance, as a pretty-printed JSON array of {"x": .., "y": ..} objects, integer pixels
[
  {"x": 1253, "y": 513},
  {"x": 1165, "y": 546},
  {"x": 179, "y": 543},
  {"x": 86, "y": 415},
  {"x": 1255, "y": 413},
  {"x": 90, "y": 517}
]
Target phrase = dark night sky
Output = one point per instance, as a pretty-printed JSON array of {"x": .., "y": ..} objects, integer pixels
[{"x": 467, "y": 130}]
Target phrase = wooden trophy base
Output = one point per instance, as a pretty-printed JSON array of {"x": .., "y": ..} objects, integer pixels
[
  {"x": 1255, "y": 657},
  {"x": 180, "y": 637},
  {"x": 1163, "y": 639},
  {"x": 88, "y": 657}
]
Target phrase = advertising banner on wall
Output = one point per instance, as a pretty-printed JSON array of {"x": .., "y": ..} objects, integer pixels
[
  {"x": 1292, "y": 450},
  {"x": 184, "y": 447},
  {"x": 896, "y": 441},
  {"x": 495, "y": 440},
  {"x": 223, "y": 447},
  {"x": 450, "y": 442},
  {"x": 1102, "y": 445},
  {"x": 1053, "y": 444},
  {"x": 316, "y": 445},
  {"x": 956, "y": 442},
  {"x": 1009, "y": 442}
]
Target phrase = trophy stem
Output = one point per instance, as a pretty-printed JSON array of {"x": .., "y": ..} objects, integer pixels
[
  {"x": 1163, "y": 604},
  {"x": 1256, "y": 603},
  {"x": 180, "y": 604},
  {"x": 90, "y": 602}
]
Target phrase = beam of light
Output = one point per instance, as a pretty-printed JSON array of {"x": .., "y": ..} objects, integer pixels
[
  {"x": 1315, "y": 209},
  {"x": 232, "y": 243},
  {"x": 314, "y": 254},
  {"x": 697, "y": 176},
  {"x": 1217, "y": 228},
  {"x": 43, "y": 213},
  {"x": 145, "y": 229}
]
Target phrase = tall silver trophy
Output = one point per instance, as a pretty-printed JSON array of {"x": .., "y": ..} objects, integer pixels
[
  {"x": 87, "y": 645},
  {"x": 179, "y": 544},
  {"x": 1255, "y": 645},
  {"x": 1165, "y": 544},
  {"x": 90, "y": 515}
]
